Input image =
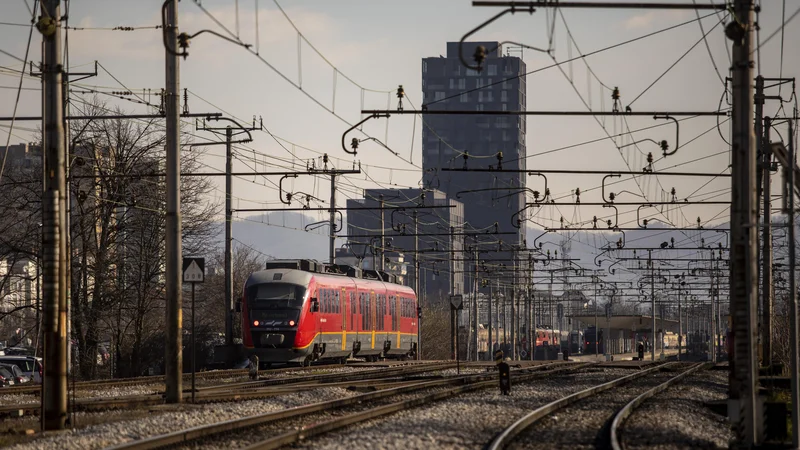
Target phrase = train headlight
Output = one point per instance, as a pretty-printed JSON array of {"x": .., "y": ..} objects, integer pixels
[
  {"x": 255, "y": 323},
  {"x": 292, "y": 323}
]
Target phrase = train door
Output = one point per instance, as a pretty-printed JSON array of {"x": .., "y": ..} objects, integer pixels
[
  {"x": 395, "y": 320},
  {"x": 373, "y": 312},
  {"x": 343, "y": 312}
]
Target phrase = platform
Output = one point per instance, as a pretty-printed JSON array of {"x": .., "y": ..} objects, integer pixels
[{"x": 622, "y": 356}]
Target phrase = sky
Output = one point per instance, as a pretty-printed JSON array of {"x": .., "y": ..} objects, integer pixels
[{"x": 377, "y": 45}]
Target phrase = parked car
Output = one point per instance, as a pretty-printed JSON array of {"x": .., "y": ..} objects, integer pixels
[
  {"x": 16, "y": 372},
  {"x": 6, "y": 377},
  {"x": 31, "y": 366}
]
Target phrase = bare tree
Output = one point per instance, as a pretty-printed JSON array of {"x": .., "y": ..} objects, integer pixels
[{"x": 117, "y": 228}]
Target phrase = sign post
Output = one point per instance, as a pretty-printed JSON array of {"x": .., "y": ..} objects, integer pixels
[
  {"x": 193, "y": 272},
  {"x": 457, "y": 304}
]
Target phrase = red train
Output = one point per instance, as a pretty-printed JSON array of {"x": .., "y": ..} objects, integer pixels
[{"x": 298, "y": 311}]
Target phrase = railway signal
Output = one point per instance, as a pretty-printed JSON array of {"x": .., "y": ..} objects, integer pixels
[{"x": 193, "y": 272}]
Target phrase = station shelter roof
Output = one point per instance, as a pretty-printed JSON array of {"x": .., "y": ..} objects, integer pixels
[{"x": 632, "y": 323}]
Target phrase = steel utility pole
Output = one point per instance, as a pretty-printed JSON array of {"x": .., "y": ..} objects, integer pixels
[
  {"x": 653, "y": 304},
  {"x": 332, "y": 224},
  {"x": 475, "y": 320},
  {"x": 173, "y": 358},
  {"x": 490, "y": 348},
  {"x": 383, "y": 238},
  {"x": 744, "y": 268},
  {"x": 513, "y": 310},
  {"x": 229, "y": 133},
  {"x": 766, "y": 246},
  {"x": 417, "y": 284},
  {"x": 54, "y": 251},
  {"x": 531, "y": 313},
  {"x": 680, "y": 324},
  {"x": 453, "y": 329}
]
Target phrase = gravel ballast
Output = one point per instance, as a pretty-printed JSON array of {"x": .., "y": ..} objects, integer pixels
[
  {"x": 162, "y": 421},
  {"x": 677, "y": 419},
  {"x": 469, "y": 420}
]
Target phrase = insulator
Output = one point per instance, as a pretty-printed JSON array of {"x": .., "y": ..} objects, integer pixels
[
  {"x": 650, "y": 158},
  {"x": 400, "y": 92},
  {"x": 615, "y": 93},
  {"x": 479, "y": 56},
  {"x": 664, "y": 145},
  {"x": 354, "y": 144}
]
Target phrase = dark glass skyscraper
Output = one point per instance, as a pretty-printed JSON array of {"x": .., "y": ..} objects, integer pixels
[{"x": 446, "y": 139}]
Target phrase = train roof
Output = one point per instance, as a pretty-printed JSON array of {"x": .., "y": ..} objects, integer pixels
[{"x": 301, "y": 272}]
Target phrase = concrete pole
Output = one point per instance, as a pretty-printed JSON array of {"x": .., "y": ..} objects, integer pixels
[
  {"x": 54, "y": 387},
  {"x": 793, "y": 322},
  {"x": 173, "y": 361},
  {"x": 744, "y": 265},
  {"x": 228, "y": 238},
  {"x": 766, "y": 246}
]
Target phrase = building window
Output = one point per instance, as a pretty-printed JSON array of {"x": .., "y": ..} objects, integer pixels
[
  {"x": 457, "y": 70},
  {"x": 462, "y": 83},
  {"x": 492, "y": 69},
  {"x": 438, "y": 95},
  {"x": 503, "y": 96},
  {"x": 452, "y": 83},
  {"x": 479, "y": 107},
  {"x": 472, "y": 73},
  {"x": 478, "y": 83},
  {"x": 480, "y": 96},
  {"x": 464, "y": 97},
  {"x": 424, "y": 67},
  {"x": 505, "y": 107},
  {"x": 489, "y": 96}
]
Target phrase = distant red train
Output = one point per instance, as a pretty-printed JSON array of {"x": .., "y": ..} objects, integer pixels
[{"x": 299, "y": 311}]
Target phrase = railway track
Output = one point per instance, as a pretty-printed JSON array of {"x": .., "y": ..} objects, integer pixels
[
  {"x": 159, "y": 379},
  {"x": 619, "y": 418},
  {"x": 269, "y": 387},
  {"x": 588, "y": 417},
  {"x": 318, "y": 414}
]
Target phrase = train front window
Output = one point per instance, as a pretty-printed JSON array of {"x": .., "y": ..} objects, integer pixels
[{"x": 276, "y": 296}]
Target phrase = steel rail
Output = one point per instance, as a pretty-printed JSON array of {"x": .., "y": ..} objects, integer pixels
[
  {"x": 627, "y": 410},
  {"x": 155, "y": 379},
  {"x": 333, "y": 377},
  {"x": 372, "y": 413},
  {"x": 505, "y": 438},
  {"x": 183, "y": 436},
  {"x": 244, "y": 392}
]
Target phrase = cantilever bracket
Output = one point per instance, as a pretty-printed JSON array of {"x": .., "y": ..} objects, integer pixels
[
  {"x": 355, "y": 143},
  {"x": 280, "y": 189},
  {"x": 677, "y": 134},
  {"x": 396, "y": 228},
  {"x": 616, "y": 216},
  {"x": 603, "y": 191},
  {"x": 638, "y": 210}
]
